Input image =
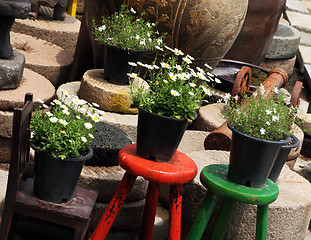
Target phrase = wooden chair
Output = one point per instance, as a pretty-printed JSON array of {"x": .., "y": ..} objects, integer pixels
[{"x": 19, "y": 194}]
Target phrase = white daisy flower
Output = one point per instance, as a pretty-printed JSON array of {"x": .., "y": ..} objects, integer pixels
[
  {"x": 159, "y": 48},
  {"x": 187, "y": 60},
  {"x": 40, "y": 101},
  {"x": 63, "y": 122},
  {"x": 165, "y": 81},
  {"x": 217, "y": 80},
  {"x": 132, "y": 64},
  {"x": 91, "y": 135},
  {"x": 45, "y": 106},
  {"x": 174, "y": 93},
  {"x": 168, "y": 48},
  {"x": 132, "y": 10},
  {"x": 66, "y": 112},
  {"x": 192, "y": 85},
  {"x": 49, "y": 114},
  {"x": 57, "y": 102},
  {"x": 172, "y": 76},
  {"x": 190, "y": 57},
  {"x": 268, "y": 123},
  {"x": 83, "y": 139},
  {"x": 53, "y": 119},
  {"x": 275, "y": 118},
  {"x": 208, "y": 66},
  {"x": 268, "y": 112},
  {"x": 137, "y": 37},
  {"x": 165, "y": 65},
  {"x": 178, "y": 52},
  {"x": 191, "y": 93},
  {"x": 178, "y": 67},
  {"x": 276, "y": 90},
  {"x": 132, "y": 75},
  {"x": 88, "y": 125},
  {"x": 102, "y": 28}
]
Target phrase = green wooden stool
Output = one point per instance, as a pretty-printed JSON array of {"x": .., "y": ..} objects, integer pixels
[{"x": 214, "y": 178}]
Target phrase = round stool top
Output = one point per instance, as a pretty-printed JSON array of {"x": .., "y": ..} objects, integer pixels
[
  {"x": 181, "y": 169},
  {"x": 214, "y": 178}
]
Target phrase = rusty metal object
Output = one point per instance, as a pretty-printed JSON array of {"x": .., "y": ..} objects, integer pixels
[
  {"x": 295, "y": 99},
  {"x": 220, "y": 139},
  {"x": 242, "y": 82}
]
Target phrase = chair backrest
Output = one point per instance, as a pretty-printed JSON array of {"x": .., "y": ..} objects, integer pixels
[{"x": 19, "y": 162}]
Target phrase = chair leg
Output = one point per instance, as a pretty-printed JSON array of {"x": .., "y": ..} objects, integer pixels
[
  {"x": 113, "y": 208},
  {"x": 6, "y": 223},
  {"x": 222, "y": 219},
  {"x": 203, "y": 216},
  {"x": 174, "y": 229},
  {"x": 262, "y": 222},
  {"x": 150, "y": 211}
]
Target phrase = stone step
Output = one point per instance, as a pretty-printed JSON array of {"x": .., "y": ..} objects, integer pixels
[
  {"x": 61, "y": 33},
  {"x": 45, "y": 58}
]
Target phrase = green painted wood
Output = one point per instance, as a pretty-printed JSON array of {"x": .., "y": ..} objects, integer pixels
[
  {"x": 202, "y": 217},
  {"x": 262, "y": 222},
  {"x": 214, "y": 178},
  {"x": 222, "y": 219}
]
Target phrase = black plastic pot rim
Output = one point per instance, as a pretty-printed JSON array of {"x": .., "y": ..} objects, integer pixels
[
  {"x": 293, "y": 145},
  {"x": 284, "y": 141},
  {"x": 161, "y": 116},
  {"x": 89, "y": 154},
  {"x": 128, "y": 50}
]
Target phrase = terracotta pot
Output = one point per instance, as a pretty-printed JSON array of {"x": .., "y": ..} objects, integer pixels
[
  {"x": 256, "y": 35},
  {"x": 205, "y": 29}
]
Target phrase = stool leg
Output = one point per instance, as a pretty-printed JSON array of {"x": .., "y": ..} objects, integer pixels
[
  {"x": 113, "y": 208},
  {"x": 222, "y": 219},
  {"x": 174, "y": 229},
  {"x": 150, "y": 209},
  {"x": 262, "y": 222},
  {"x": 202, "y": 217}
]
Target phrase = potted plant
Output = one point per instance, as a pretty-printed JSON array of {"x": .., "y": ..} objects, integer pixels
[
  {"x": 60, "y": 137},
  {"x": 260, "y": 127},
  {"x": 175, "y": 93},
  {"x": 126, "y": 38}
]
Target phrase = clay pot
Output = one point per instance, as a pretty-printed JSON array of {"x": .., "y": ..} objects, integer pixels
[
  {"x": 205, "y": 29},
  {"x": 256, "y": 35}
]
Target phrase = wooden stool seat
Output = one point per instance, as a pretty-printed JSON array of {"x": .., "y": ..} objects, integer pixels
[
  {"x": 214, "y": 178},
  {"x": 181, "y": 169}
]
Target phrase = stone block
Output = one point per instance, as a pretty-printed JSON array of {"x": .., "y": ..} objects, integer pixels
[
  {"x": 11, "y": 71},
  {"x": 292, "y": 208},
  {"x": 209, "y": 117},
  {"x": 285, "y": 43},
  {"x": 107, "y": 179},
  {"x": 110, "y": 97},
  {"x": 61, "y": 33},
  {"x": 108, "y": 141},
  {"x": 129, "y": 217},
  {"x": 6, "y": 124},
  {"x": 45, "y": 58}
]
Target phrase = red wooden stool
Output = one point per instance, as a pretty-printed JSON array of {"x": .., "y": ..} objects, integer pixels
[{"x": 181, "y": 169}]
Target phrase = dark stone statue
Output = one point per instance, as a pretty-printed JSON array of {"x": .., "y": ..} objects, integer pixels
[
  {"x": 58, "y": 5},
  {"x": 12, "y": 64}
]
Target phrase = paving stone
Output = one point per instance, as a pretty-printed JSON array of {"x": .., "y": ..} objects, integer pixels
[
  {"x": 32, "y": 82},
  {"x": 43, "y": 57},
  {"x": 292, "y": 208},
  {"x": 305, "y": 39},
  {"x": 285, "y": 43},
  {"x": 304, "y": 58},
  {"x": 61, "y": 33},
  {"x": 296, "y": 6},
  {"x": 299, "y": 21},
  {"x": 107, "y": 179}
]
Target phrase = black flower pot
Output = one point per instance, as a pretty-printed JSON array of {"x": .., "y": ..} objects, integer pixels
[
  {"x": 158, "y": 137},
  {"x": 55, "y": 179},
  {"x": 251, "y": 159},
  {"x": 282, "y": 157},
  {"x": 116, "y": 63}
]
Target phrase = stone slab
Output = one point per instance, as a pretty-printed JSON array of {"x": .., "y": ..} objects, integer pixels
[
  {"x": 305, "y": 39},
  {"x": 11, "y": 71},
  {"x": 304, "y": 57},
  {"x": 107, "y": 179},
  {"x": 285, "y": 43},
  {"x": 299, "y": 21},
  {"x": 296, "y": 6},
  {"x": 6, "y": 124},
  {"x": 291, "y": 209},
  {"x": 61, "y": 33},
  {"x": 129, "y": 217},
  {"x": 32, "y": 82},
  {"x": 43, "y": 57}
]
